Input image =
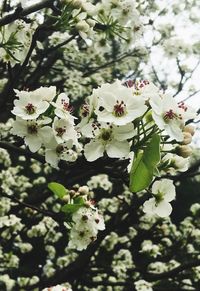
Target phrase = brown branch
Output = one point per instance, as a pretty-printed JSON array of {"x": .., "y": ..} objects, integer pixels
[
  {"x": 94, "y": 70},
  {"x": 20, "y": 12},
  {"x": 55, "y": 216},
  {"x": 172, "y": 273},
  {"x": 14, "y": 149}
]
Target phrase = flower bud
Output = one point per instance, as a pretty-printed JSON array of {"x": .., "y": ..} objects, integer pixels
[
  {"x": 84, "y": 190},
  {"x": 187, "y": 138},
  {"x": 77, "y": 3},
  {"x": 184, "y": 151},
  {"x": 190, "y": 129},
  {"x": 72, "y": 193},
  {"x": 91, "y": 22},
  {"x": 148, "y": 116},
  {"x": 82, "y": 26},
  {"x": 66, "y": 198}
]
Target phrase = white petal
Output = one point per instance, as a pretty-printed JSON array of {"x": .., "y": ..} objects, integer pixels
[
  {"x": 124, "y": 132},
  {"x": 51, "y": 157},
  {"x": 33, "y": 142},
  {"x": 19, "y": 127},
  {"x": 163, "y": 209},
  {"x": 93, "y": 150},
  {"x": 149, "y": 206},
  {"x": 45, "y": 133},
  {"x": 42, "y": 107},
  {"x": 118, "y": 149}
]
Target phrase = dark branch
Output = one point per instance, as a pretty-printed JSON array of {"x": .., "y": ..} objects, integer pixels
[{"x": 20, "y": 12}]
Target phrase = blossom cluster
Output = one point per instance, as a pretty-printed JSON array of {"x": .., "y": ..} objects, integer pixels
[
  {"x": 34, "y": 123},
  {"x": 86, "y": 224},
  {"x": 118, "y": 120},
  {"x": 15, "y": 41},
  {"x": 119, "y": 18}
]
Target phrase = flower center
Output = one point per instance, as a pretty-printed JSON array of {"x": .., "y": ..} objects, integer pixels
[
  {"x": 32, "y": 129},
  {"x": 66, "y": 106},
  {"x": 159, "y": 197},
  {"x": 60, "y": 131},
  {"x": 85, "y": 110},
  {"x": 30, "y": 108},
  {"x": 170, "y": 115},
  {"x": 119, "y": 109},
  {"x": 106, "y": 134},
  {"x": 60, "y": 149}
]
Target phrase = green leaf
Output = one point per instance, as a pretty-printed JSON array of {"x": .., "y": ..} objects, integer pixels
[
  {"x": 79, "y": 200},
  {"x": 71, "y": 208},
  {"x": 144, "y": 165},
  {"x": 59, "y": 190}
]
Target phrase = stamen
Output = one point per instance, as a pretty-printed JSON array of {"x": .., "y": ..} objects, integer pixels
[
  {"x": 66, "y": 106},
  {"x": 32, "y": 129},
  {"x": 170, "y": 115},
  {"x": 60, "y": 131},
  {"x": 119, "y": 109},
  {"x": 30, "y": 108}
]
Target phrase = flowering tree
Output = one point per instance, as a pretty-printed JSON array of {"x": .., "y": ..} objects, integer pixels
[{"x": 95, "y": 138}]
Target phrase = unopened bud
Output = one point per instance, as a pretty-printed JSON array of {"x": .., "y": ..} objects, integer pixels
[
  {"x": 84, "y": 190},
  {"x": 148, "y": 116},
  {"x": 82, "y": 26},
  {"x": 190, "y": 129},
  {"x": 187, "y": 138},
  {"x": 77, "y": 3},
  {"x": 72, "y": 193},
  {"x": 91, "y": 22},
  {"x": 184, "y": 151},
  {"x": 66, "y": 198}
]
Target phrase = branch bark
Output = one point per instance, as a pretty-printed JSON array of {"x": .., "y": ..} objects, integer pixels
[{"x": 20, "y": 12}]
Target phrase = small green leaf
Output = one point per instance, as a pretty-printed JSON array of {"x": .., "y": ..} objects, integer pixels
[
  {"x": 59, "y": 190},
  {"x": 79, "y": 200},
  {"x": 144, "y": 165},
  {"x": 71, "y": 208}
]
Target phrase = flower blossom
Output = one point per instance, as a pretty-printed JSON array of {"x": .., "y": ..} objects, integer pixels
[
  {"x": 117, "y": 105},
  {"x": 63, "y": 130},
  {"x": 33, "y": 103},
  {"x": 168, "y": 116},
  {"x": 34, "y": 132},
  {"x": 63, "y": 109},
  {"x": 87, "y": 223},
  {"x": 163, "y": 192},
  {"x": 107, "y": 138}
]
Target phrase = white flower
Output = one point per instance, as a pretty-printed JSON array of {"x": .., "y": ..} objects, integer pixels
[
  {"x": 168, "y": 116},
  {"x": 90, "y": 217},
  {"x": 107, "y": 138},
  {"x": 87, "y": 110},
  {"x": 47, "y": 93},
  {"x": 87, "y": 223},
  {"x": 64, "y": 130},
  {"x": 57, "y": 288},
  {"x": 55, "y": 152},
  {"x": 117, "y": 104},
  {"x": 143, "y": 89},
  {"x": 164, "y": 192},
  {"x": 142, "y": 285},
  {"x": 32, "y": 103},
  {"x": 33, "y": 132},
  {"x": 174, "y": 163},
  {"x": 63, "y": 108}
]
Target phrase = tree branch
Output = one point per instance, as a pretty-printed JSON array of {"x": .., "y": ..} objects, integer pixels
[
  {"x": 20, "y": 12},
  {"x": 172, "y": 273}
]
